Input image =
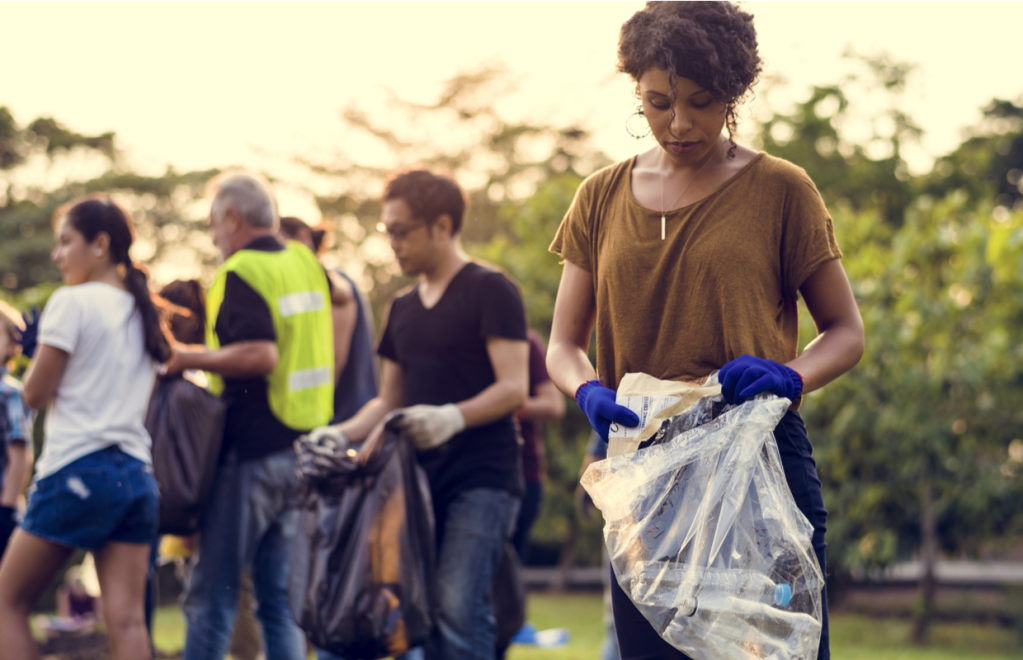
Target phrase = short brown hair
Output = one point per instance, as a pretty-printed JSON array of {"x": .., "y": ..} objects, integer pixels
[{"x": 429, "y": 196}]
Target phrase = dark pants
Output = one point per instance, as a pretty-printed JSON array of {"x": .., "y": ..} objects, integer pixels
[
  {"x": 638, "y": 640},
  {"x": 528, "y": 512}
]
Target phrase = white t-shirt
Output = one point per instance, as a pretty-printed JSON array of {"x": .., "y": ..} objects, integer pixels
[{"x": 103, "y": 395}]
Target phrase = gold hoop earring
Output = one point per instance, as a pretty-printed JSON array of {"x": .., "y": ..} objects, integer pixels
[{"x": 631, "y": 128}]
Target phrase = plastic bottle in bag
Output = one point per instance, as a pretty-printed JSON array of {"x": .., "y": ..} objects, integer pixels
[
  {"x": 756, "y": 630},
  {"x": 696, "y": 583}
]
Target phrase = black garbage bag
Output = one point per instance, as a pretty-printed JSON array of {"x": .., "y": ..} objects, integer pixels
[
  {"x": 362, "y": 564},
  {"x": 187, "y": 426}
]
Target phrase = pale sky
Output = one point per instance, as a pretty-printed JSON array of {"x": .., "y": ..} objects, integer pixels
[{"x": 200, "y": 85}]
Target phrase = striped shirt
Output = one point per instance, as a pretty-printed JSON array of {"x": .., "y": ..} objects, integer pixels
[{"x": 15, "y": 417}]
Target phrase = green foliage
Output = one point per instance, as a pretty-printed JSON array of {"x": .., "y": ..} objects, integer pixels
[
  {"x": 46, "y": 156},
  {"x": 935, "y": 268},
  {"x": 989, "y": 163},
  {"x": 840, "y": 167},
  {"x": 937, "y": 385},
  {"x": 500, "y": 163}
]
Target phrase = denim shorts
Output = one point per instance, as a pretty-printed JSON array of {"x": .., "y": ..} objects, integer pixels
[{"x": 104, "y": 496}]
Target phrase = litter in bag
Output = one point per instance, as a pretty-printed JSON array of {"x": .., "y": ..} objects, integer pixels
[
  {"x": 187, "y": 426},
  {"x": 705, "y": 537},
  {"x": 362, "y": 571}
]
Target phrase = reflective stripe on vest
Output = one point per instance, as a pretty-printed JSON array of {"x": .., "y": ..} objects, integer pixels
[{"x": 297, "y": 303}]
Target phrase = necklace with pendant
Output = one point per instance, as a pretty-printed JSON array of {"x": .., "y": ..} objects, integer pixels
[{"x": 664, "y": 209}]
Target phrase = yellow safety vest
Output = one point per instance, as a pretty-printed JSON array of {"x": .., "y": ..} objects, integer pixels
[{"x": 294, "y": 285}]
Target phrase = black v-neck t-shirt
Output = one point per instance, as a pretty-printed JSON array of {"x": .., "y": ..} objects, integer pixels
[{"x": 442, "y": 352}]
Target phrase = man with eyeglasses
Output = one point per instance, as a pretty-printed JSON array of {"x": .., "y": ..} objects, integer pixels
[{"x": 454, "y": 358}]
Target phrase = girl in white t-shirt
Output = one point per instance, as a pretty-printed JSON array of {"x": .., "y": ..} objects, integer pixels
[{"x": 100, "y": 343}]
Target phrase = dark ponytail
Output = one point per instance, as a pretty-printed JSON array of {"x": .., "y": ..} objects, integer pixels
[{"x": 98, "y": 213}]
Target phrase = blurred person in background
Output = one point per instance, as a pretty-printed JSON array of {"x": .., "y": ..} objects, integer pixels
[
  {"x": 455, "y": 360},
  {"x": 100, "y": 343},
  {"x": 16, "y": 420},
  {"x": 269, "y": 353},
  {"x": 544, "y": 404},
  {"x": 690, "y": 258}
]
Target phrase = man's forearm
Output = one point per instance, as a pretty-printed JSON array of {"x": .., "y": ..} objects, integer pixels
[
  {"x": 358, "y": 427},
  {"x": 548, "y": 404},
  {"x": 244, "y": 359},
  {"x": 493, "y": 403}
]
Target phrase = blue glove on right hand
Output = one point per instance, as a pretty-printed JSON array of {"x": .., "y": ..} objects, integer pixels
[
  {"x": 30, "y": 335},
  {"x": 598, "y": 402}
]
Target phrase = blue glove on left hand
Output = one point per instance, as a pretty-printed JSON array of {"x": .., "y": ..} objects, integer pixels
[
  {"x": 30, "y": 335},
  {"x": 747, "y": 376}
]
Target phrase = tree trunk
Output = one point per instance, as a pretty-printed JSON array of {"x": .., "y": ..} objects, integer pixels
[{"x": 924, "y": 606}]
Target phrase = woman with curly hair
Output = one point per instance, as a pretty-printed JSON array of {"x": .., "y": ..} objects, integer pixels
[{"x": 690, "y": 257}]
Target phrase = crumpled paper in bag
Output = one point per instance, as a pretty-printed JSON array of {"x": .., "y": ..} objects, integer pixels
[{"x": 654, "y": 401}]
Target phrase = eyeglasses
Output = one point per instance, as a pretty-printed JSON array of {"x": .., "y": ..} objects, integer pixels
[{"x": 400, "y": 233}]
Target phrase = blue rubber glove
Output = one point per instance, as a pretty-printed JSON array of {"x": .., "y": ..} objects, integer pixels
[
  {"x": 30, "y": 335},
  {"x": 747, "y": 376},
  {"x": 598, "y": 402}
]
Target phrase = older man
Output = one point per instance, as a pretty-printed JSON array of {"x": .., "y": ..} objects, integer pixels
[{"x": 269, "y": 351}]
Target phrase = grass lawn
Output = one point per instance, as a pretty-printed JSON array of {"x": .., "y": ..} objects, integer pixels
[{"x": 852, "y": 637}]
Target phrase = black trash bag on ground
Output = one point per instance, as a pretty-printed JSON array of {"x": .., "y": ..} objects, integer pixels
[
  {"x": 362, "y": 564},
  {"x": 187, "y": 426}
]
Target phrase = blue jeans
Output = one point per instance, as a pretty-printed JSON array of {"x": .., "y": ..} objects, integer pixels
[
  {"x": 473, "y": 530},
  {"x": 103, "y": 496},
  {"x": 250, "y": 521}
]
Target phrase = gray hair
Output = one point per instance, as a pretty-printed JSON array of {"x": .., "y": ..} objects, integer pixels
[{"x": 248, "y": 194}]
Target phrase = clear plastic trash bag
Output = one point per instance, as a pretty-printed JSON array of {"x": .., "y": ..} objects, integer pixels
[
  {"x": 362, "y": 564},
  {"x": 706, "y": 539}
]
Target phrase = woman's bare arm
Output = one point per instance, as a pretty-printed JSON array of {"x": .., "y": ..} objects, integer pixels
[
  {"x": 839, "y": 343},
  {"x": 575, "y": 312}
]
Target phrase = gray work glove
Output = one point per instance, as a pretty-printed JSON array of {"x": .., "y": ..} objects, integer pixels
[{"x": 431, "y": 426}]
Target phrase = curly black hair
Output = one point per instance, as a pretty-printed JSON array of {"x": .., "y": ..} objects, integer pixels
[{"x": 711, "y": 43}]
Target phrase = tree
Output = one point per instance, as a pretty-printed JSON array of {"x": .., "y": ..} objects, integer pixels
[
  {"x": 989, "y": 163},
  {"x": 845, "y": 174},
  {"x": 40, "y": 169},
  {"x": 914, "y": 444}
]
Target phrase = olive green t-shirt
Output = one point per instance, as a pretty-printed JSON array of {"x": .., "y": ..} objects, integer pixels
[{"x": 722, "y": 283}]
